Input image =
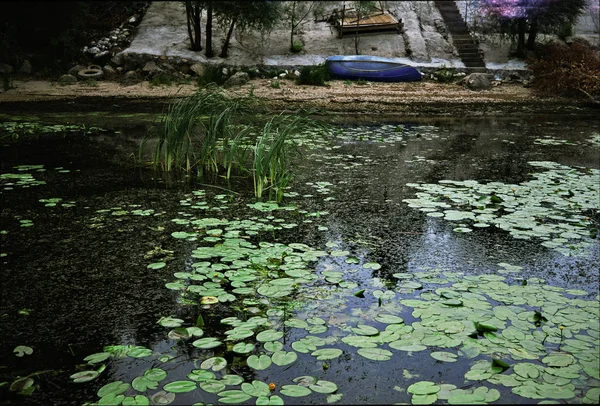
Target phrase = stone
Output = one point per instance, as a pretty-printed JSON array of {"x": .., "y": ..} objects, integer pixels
[
  {"x": 109, "y": 70},
  {"x": 198, "y": 69},
  {"x": 477, "y": 81},
  {"x": 26, "y": 68},
  {"x": 5, "y": 68},
  {"x": 117, "y": 59},
  {"x": 102, "y": 57},
  {"x": 238, "y": 79},
  {"x": 67, "y": 79},
  {"x": 151, "y": 68},
  {"x": 130, "y": 78}
]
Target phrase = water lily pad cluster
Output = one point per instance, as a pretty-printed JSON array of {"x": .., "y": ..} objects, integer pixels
[
  {"x": 388, "y": 133},
  {"x": 548, "y": 140},
  {"x": 13, "y": 129},
  {"x": 552, "y": 206},
  {"x": 22, "y": 179}
]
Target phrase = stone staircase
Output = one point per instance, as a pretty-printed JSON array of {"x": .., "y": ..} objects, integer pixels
[{"x": 466, "y": 45}]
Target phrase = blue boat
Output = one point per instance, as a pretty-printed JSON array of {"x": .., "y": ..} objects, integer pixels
[{"x": 371, "y": 68}]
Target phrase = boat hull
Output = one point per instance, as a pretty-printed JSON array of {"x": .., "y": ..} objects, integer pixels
[{"x": 371, "y": 68}]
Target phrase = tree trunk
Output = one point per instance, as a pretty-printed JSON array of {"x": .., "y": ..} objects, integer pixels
[
  {"x": 209, "y": 50},
  {"x": 292, "y": 32},
  {"x": 356, "y": 40},
  {"x": 521, "y": 38},
  {"x": 193, "y": 12},
  {"x": 533, "y": 30},
  {"x": 227, "y": 40}
]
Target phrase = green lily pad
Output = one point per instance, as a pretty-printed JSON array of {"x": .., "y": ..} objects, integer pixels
[
  {"x": 526, "y": 370},
  {"x": 21, "y": 350},
  {"x": 207, "y": 342},
  {"x": 214, "y": 363},
  {"x": 259, "y": 362},
  {"x": 243, "y": 348},
  {"x": 142, "y": 384},
  {"x": 375, "y": 354},
  {"x": 200, "y": 375},
  {"x": 444, "y": 356},
  {"x": 327, "y": 353},
  {"x": 98, "y": 357},
  {"x": 233, "y": 396},
  {"x": 423, "y": 399},
  {"x": 115, "y": 388},
  {"x": 295, "y": 391},
  {"x": 269, "y": 335},
  {"x": 137, "y": 400},
  {"x": 212, "y": 386},
  {"x": 282, "y": 358},
  {"x": 389, "y": 319},
  {"x": 180, "y": 386},
  {"x": 323, "y": 386},
  {"x": 256, "y": 388},
  {"x": 85, "y": 376},
  {"x": 423, "y": 388},
  {"x": 274, "y": 400}
]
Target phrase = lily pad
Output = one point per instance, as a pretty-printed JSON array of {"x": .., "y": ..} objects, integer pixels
[
  {"x": 375, "y": 354},
  {"x": 259, "y": 362},
  {"x": 295, "y": 391},
  {"x": 327, "y": 353},
  {"x": 180, "y": 386}
]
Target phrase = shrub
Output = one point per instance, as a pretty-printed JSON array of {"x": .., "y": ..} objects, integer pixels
[
  {"x": 297, "y": 47},
  {"x": 313, "y": 75},
  {"x": 275, "y": 84},
  {"x": 444, "y": 75},
  {"x": 566, "y": 70}
]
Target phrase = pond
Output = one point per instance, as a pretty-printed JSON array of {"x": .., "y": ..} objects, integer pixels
[{"x": 445, "y": 261}]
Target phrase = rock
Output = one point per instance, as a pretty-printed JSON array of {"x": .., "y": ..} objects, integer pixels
[
  {"x": 5, "y": 68},
  {"x": 198, "y": 69},
  {"x": 26, "y": 68},
  {"x": 102, "y": 57},
  {"x": 109, "y": 70},
  {"x": 238, "y": 79},
  {"x": 67, "y": 79},
  {"x": 93, "y": 50},
  {"x": 130, "y": 78},
  {"x": 117, "y": 59},
  {"x": 151, "y": 68},
  {"x": 477, "y": 81}
]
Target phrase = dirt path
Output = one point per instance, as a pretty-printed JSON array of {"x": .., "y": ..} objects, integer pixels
[{"x": 413, "y": 98}]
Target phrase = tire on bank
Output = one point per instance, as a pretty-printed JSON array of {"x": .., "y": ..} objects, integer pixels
[{"x": 92, "y": 72}]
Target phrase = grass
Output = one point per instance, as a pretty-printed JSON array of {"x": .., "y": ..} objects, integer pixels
[
  {"x": 191, "y": 127},
  {"x": 200, "y": 134}
]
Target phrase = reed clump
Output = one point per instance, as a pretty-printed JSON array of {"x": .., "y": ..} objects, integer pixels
[{"x": 203, "y": 134}]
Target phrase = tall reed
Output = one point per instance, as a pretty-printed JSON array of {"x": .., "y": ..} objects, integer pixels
[
  {"x": 192, "y": 127},
  {"x": 272, "y": 153}
]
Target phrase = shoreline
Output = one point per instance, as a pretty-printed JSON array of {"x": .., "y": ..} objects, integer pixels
[{"x": 338, "y": 97}]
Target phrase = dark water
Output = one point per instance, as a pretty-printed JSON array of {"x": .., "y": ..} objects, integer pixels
[{"x": 83, "y": 274}]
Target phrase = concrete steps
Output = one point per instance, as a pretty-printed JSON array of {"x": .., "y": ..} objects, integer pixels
[{"x": 465, "y": 44}]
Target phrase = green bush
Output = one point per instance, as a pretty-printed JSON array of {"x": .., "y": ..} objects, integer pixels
[
  {"x": 315, "y": 75},
  {"x": 297, "y": 47},
  {"x": 275, "y": 84},
  {"x": 444, "y": 75}
]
